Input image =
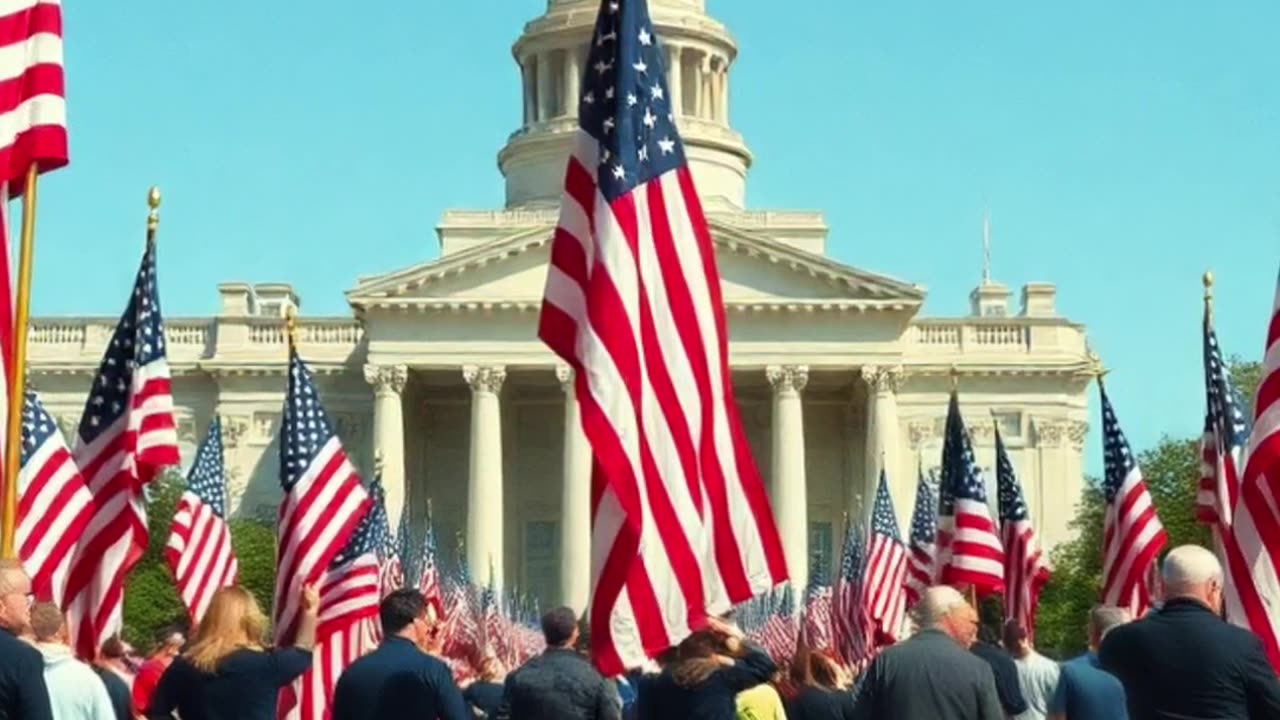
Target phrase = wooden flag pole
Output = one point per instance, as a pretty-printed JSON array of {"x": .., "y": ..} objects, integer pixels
[{"x": 18, "y": 373}]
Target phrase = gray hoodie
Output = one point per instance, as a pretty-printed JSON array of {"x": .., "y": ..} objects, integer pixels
[{"x": 75, "y": 691}]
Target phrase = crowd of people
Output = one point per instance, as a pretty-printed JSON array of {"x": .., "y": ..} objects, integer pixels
[{"x": 1179, "y": 661}]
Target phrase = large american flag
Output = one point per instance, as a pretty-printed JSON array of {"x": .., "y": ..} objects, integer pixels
[
  {"x": 817, "y": 629},
  {"x": 1026, "y": 569},
  {"x": 33, "y": 115},
  {"x": 884, "y": 573},
  {"x": 323, "y": 498},
  {"x": 348, "y": 625},
  {"x": 54, "y": 504},
  {"x": 127, "y": 434},
  {"x": 387, "y": 550},
  {"x": 199, "y": 551},
  {"x": 853, "y": 639},
  {"x": 1132, "y": 533},
  {"x": 682, "y": 526},
  {"x": 922, "y": 561},
  {"x": 428, "y": 569},
  {"x": 970, "y": 553},
  {"x": 1256, "y": 525}
]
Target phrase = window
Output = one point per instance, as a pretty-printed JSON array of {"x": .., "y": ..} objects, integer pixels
[
  {"x": 820, "y": 554},
  {"x": 1010, "y": 422},
  {"x": 542, "y": 561}
]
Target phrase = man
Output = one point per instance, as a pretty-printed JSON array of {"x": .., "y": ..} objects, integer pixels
[
  {"x": 1004, "y": 668},
  {"x": 560, "y": 684},
  {"x": 399, "y": 679},
  {"x": 76, "y": 691},
  {"x": 1085, "y": 691},
  {"x": 1037, "y": 674},
  {"x": 1184, "y": 661},
  {"x": 168, "y": 646},
  {"x": 23, "y": 693},
  {"x": 932, "y": 675}
]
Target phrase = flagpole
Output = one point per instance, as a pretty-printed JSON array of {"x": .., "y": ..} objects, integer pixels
[
  {"x": 1208, "y": 295},
  {"x": 17, "y": 373}
]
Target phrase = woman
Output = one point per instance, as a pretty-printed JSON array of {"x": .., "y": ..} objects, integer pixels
[
  {"x": 485, "y": 694},
  {"x": 704, "y": 677},
  {"x": 228, "y": 673},
  {"x": 821, "y": 688}
]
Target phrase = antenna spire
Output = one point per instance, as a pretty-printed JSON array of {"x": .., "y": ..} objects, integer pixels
[{"x": 986, "y": 246}]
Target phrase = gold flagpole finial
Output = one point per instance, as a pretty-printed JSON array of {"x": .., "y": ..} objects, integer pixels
[
  {"x": 955, "y": 377},
  {"x": 1207, "y": 279},
  {"x": 153, "y": 217},
  {"x": 1096, "y": 368},
  {"x": 291, "y": 326}
]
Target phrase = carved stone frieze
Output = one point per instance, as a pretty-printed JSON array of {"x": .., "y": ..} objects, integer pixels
[
  {"x": 387, "y": 378},
  {"x": 787, "y": 378},
  {"x": 1077, "y": 431},
  {"x": 564, "y": 374},
  {"x": 1050, "y": 432},
  {"x": 485, "y": 378},
  {"x": 921, "y": 432},
  {"x": 234, "y": 430},
  {"x": 264, "y": 426}
]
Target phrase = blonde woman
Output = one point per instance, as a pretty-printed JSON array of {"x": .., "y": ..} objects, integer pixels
[{"x": 228, "y": 672}]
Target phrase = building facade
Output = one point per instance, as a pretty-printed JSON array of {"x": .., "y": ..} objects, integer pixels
[{"x": 439, "y": 370}]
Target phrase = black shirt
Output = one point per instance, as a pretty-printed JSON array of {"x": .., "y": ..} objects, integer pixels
[
  {"x": 23, "y": 693},
  {"x": 118, "y": 691},
  {"x": 712, "y": 699},
  {"x": 1006, "y": 672},
  {"x": 485, "y": 697},
  {"x": 244, "y": 687},
  {"x": 398, "y": 681},
  {"x": 816, "y": 703}
]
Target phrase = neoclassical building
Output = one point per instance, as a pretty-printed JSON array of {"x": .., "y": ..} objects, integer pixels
[{"x": 438, "y": 367}]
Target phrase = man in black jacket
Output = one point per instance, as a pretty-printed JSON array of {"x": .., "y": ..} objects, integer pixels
[
  {"x": 399, "y": 680},
  {"x": 1004, "y": 669},
  {"x": 23, "y": 693},
  {"x": 933, "y": 675},
  {"x": 559, "y": 684},
  {"x": 1183, "y": 661}
]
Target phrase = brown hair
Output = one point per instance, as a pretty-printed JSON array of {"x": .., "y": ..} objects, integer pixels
[
  {"x": 47, "y": 621},
  {"x": 814, "y": 668},
  {"x": 695, "y": 659},
  {"x": 233, "y": 621}
]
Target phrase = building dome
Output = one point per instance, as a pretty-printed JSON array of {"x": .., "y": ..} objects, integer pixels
[{"x": 551, "y": 54}]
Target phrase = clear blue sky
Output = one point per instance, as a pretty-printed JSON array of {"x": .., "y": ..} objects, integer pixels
[{"x": 1122, "y": 148}]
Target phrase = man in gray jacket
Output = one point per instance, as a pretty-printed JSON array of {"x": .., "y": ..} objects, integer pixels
[
  {"x": 559, "y": 684},
  {"x": 933, "y": 675}
]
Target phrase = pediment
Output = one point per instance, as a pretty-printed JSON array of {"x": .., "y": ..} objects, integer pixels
[{"x": 753, "y": 269}]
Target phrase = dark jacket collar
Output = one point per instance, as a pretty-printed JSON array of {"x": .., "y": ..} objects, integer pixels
[{"x": 1185, "y": 605}]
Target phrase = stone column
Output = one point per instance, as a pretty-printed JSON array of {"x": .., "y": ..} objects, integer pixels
[
  {"x": 882, "y": 434},
  {"x": 575, "y": 503},
  {"x": 485, "y": 513},
  {"x": 717, "y": 97},
  {"x": 724, "y": 93},
  {"x": 675, "y": 84},
  {"x": 787, "y": 487},
  {"x": 388, "y": 383},
  {"x": 703, "y": 107},
  {"x": 545, "y": 83},
  {"x": 569, "y": 85},
  {"x": 528, "y": 71}
]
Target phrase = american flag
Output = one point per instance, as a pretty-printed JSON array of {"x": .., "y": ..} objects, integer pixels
[
  {"x": 463, "y": 636},
  {"x": 34, "y": 113},
  {"x": 1132, "y": 533},
  {"x": 884, "y": 574},
  {"x": 127, "y": 434},
  {"x": 387, "y": 550},
  {"x": 851, "y": 624},
  {"x": 969, "y": 546},
  {"x": 199, "y": 551},
  {"x": 428, "y": 567},
  {"x": 54, "y": 504},
  {"x": 817, "y": 631},
  {"x": 1026, "y": 569},
  {"x": 780, "y": 629},
  {"x": 922, "y": 562},
  {"x": 323, "y": 498},
  {"x": 682, "y": 526},
  {"x": 1256, "y": 525},
  {"x": 348, "y": 622}
]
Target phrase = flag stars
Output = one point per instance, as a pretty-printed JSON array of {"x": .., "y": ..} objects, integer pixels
[
  {"x": 650, "y": 120},
  {"x": 641, "y": 66},
  {"x": 667, "y": 146},
  {"x": 646, "y": 38},
  {"x": 632, "y": 100},
  {"x": 656, "y": 91}
]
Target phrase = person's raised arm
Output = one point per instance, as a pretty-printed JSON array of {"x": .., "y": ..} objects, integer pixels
[{"x": 306, "y": 636}]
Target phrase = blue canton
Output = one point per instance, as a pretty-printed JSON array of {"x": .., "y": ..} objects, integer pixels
[
  {"x": 625, "y": 104},
  {"x": 137, "y": 341},
  {"x": 883, "y": 520},
  {"x": 1223, "y": 416},
  {"x": 851, "y": 557},
  {"x": 305, "y": 426},
  {"x": 1013, "y": 507},
  {"x": 427, "y": 556},
  {"x": 1117, "y": 457},
  {"x": 207, "y": 478},
  {"x": 386, "y": 548},
  {"x": 37, "y": 426},
  {"x": 924, "y": 519},
  {"x": 366, "y": 540},
  {"x": 404, "y": 548},
  {"x": 961, "y": 477}
]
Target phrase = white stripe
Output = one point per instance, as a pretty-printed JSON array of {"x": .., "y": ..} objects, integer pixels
[
  {"x": 38, "y": 49},
  {"x": 9, "y": 7}
]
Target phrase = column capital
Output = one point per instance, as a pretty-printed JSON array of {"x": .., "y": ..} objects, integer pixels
[
  {"x": 387, "y": 378},
  {"x": 564, "y": 374},
  {"x": 1077, "y": 431},
  {"x": 1050, "y": 432},
  {"x": 785, "y": 378},
  {"x": 921, "y": 432},
  {"x": 484, "y": 378},
  {"x": 882, "y": 379}
]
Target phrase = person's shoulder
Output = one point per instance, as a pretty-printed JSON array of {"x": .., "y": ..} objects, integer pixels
[{"x": 18, "y": 652}]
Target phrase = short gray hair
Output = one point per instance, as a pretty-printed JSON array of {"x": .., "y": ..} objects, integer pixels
[
  {"x": 10, "y": 573},
  {"x": 1104, "y": 618},
  {"x": 937, "y": 603},
  {"x": 1189, "y": 566}
]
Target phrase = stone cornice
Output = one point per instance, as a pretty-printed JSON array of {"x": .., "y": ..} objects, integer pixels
[{"x": 738, "y": 307}]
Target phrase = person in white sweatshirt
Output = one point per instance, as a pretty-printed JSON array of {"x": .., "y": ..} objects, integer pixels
[{"x": 75, "y": 690}]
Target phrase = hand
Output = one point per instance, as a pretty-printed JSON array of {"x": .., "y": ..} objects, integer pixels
[{"x": 310, "y": 599}]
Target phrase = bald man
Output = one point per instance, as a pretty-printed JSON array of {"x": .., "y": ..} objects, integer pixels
[
  {"x": 1184, "y": 661},
  {"x": 23, "y": 693},
  {"x": 932, "y": 675}
]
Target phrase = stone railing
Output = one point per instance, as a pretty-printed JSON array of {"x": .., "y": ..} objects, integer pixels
[
  {"x": 75, "y": 341},
  {"x": 995, "y": 335}
]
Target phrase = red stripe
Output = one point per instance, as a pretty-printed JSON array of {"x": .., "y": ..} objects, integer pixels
[{"x": 39, "y": 18}]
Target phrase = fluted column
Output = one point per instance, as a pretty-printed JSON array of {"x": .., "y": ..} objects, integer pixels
[
  {"x": 528, "y": 71},
  {"x": 724, "y": 93},
  {"x": 787, "y": 487},
  {"x": 485, "y": 516},
  {"x": 704, "y": 90},
  {"x": 388, "y": 383},
  {"x": 575, "y": 503},
  {"x": 717, "y": 84},
  {"x": 882, "y": 434},
  {"x": 675, "y": 81},
  {"x": 572, "y": 78},
  {"x": 545, "y": 82}
]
